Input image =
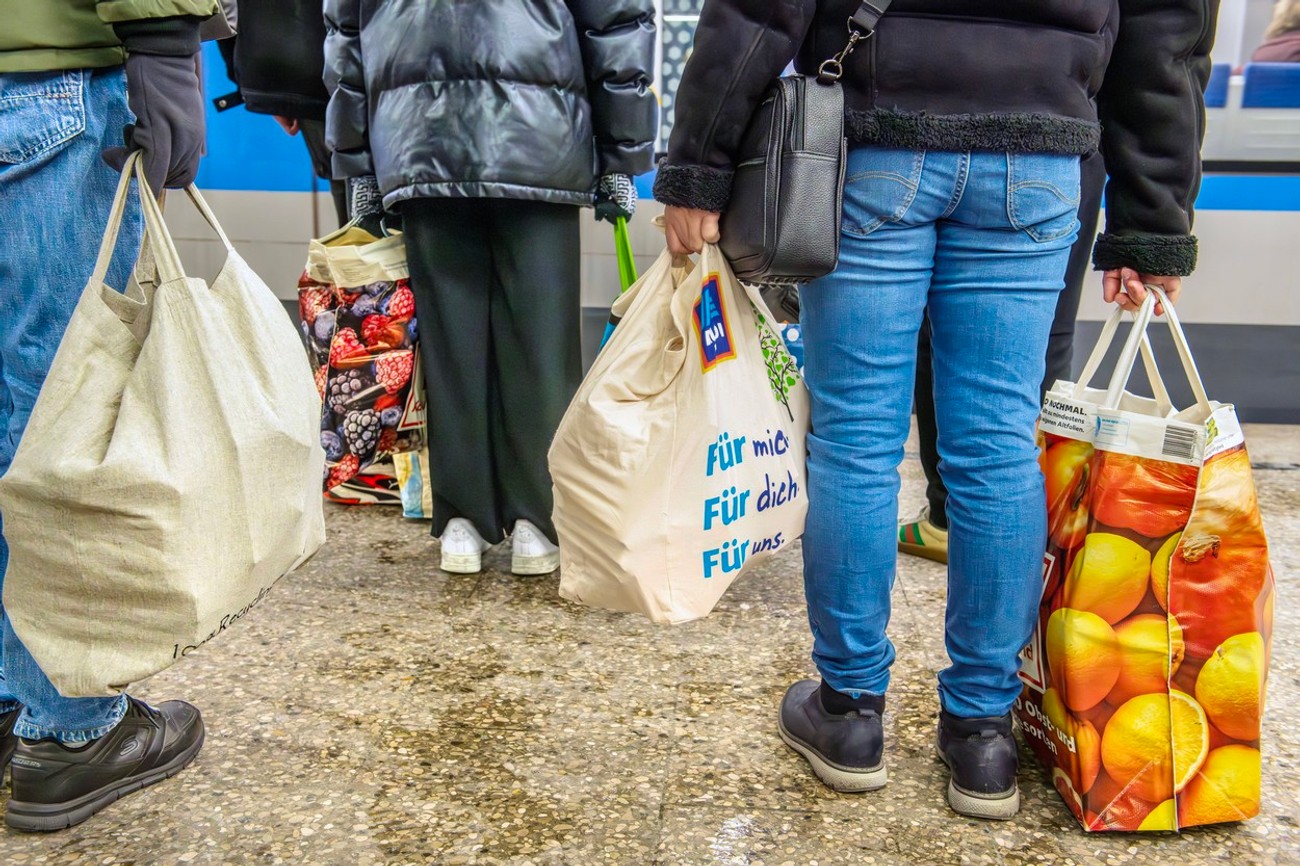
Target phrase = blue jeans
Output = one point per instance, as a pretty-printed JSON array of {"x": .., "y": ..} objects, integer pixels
[
  {"x": 981, "y": 241},
  {"x": 57, "y": 193}
]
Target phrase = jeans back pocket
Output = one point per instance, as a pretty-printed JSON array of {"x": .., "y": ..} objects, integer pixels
[
  {"x": 880, "y": 185},
  {"x": 1043, "y": 194},
  {"x": 39, "y": 111}
]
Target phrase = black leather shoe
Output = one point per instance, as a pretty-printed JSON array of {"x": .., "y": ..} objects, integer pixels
[
  {"x": 56, "y": 786},
  {"x": 7, "y": 739},
  {"x": 981, "y": 753},
  {"x": 846, "y": 751}
]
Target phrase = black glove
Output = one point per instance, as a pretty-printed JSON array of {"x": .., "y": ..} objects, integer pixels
[
  {"x": 165, "y": 95},
  {"x": 615, "y": 197}
]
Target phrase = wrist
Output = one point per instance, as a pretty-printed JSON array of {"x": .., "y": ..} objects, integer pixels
[{"x": 176, "y": 36}]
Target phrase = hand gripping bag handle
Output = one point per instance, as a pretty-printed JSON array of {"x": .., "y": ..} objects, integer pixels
[{"x": 165, "y": 256}]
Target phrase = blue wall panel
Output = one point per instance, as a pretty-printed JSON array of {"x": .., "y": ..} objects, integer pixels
[{"x": 247, "y": 151}]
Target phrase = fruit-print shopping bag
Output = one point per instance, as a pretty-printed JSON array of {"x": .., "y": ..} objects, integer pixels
[
  {"x": 358, "y": 319},
  {"x": 1144, "y": 683}
]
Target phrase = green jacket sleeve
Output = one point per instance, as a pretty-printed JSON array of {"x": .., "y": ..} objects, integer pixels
[{"x": 117, "y": 11}]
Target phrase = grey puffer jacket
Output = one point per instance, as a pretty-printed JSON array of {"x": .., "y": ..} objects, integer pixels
[{"x": 523, "y": 99}]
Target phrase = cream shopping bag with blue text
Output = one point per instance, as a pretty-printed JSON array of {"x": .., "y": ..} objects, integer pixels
[
  {"x": 170, "y": 473},
  {"x": 680, "y": 464}
]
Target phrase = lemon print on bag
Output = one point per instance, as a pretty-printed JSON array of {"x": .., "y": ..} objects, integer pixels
[
  {"x": 1156, "y": 744},
  {"x": 1109, "y": 576},
  {"x": 1227, "y": 788},
  {"x": 1231, "y": 686},
  {"x": 1083, "y": 657}
]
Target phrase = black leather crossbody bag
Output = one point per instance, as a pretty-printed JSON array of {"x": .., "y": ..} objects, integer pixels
[{"x": 783, "y": 223}]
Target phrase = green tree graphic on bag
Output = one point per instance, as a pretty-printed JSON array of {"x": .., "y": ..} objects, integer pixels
[{"x": 782, "y": 372}]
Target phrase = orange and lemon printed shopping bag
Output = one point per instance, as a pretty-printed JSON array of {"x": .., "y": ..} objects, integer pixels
[{"x": 1144, "y": 685}]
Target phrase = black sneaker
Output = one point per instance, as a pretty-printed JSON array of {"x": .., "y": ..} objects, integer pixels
[
  {"x": 7, "y": 739},
  {"x": 981, "y": 753},
  {"x": 57, "y": 786},
  {"x": 846, "y": 751}
]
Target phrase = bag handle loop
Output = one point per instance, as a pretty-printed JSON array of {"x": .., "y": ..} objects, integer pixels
[
  {"x": 109, "y": 242},
  {"x": 1164, "y": 405},
  {"x": 1138, "y": 336},
  {"x": 166, "y": 259}
]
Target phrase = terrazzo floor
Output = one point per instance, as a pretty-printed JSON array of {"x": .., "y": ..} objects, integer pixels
[{"x": 376, "y": 711}]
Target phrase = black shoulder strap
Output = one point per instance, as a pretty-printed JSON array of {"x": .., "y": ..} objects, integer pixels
[
  {"x": 869, "y": 15},
  {"x": 861, "y": 26}
]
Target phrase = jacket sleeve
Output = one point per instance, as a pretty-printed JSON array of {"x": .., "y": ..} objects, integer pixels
[
  {"x": 119, "y": 11},
  {"x": 618, "y": 47},
  {"x": 1152, "y": 109},
  {"x": 347, "y": 117},
  {"x": 741, "y": 47}
]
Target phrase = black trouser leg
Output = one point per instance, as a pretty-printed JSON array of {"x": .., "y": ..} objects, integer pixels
[
  {"x": 1060, "y": 346},
  {"x": 449, "y": 252},
  {"x": 536, "y": 347},
  {"x": 927, "y": 430},
  {"x": 313, "y": 135}
]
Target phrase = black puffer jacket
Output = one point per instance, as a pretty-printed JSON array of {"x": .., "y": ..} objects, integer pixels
[
  {"x": 526, "y": 99},
  {"x": 279, "y": 57},
  {"x": 1056, "y": 76}
]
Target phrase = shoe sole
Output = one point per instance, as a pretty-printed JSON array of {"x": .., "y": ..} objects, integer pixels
[
  {"x": 535, "y": 566},
  {"x": 846, "y": 780},
  {"x": 931, "y": 553},
  {"x": 997, "y": 807},
  {"x": 462, "y": 563},
  {"x": 46, "y": 818}
]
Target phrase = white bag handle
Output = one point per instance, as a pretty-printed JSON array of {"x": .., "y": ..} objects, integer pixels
[
  {"x": 1164, "y": 405},
  {"x": 1124, "y": 368}
]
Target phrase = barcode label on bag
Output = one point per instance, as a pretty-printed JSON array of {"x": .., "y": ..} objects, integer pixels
[{"x": 1180, "y": 443}]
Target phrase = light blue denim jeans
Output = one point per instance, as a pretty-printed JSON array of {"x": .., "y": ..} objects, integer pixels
[
  {"x": 981, "y": 240},
  {"x": 56, "y": 193}
]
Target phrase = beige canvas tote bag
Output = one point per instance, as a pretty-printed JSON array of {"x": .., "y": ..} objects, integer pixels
[
  {"x": 680, "y": 464},
  {"x": 170, "y": 473}
]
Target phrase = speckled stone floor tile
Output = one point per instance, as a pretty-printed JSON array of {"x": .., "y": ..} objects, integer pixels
[{"x": 376, "y": 712}]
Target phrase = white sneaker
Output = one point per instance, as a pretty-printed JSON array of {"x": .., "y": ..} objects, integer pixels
[
  {"x": 532, "y": 553},
  {"x": 462, "y": 547}
]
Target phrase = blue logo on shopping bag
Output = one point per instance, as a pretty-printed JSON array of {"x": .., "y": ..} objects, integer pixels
[{"x": 712, "y": 326}]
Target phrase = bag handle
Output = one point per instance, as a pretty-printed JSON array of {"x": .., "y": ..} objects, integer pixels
[
  {"x": 1158, "y": 389},
  {"x": 1124, "y": 368},
  {"x": 1164, "y": 404},
  {"x": 1183, "y": 348},
  {"x": 862, "y": 26},
  {"x": 165, "y": 256},
  {"x": 209, "y": 217},
  {"x": 114, "y": 227},
  {"x": 166, "y": 259}
]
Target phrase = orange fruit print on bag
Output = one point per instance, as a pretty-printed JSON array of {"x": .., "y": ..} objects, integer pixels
[
  {"x": 1152, "y": 651},
  {"x": 1150, "y": 497},
  {"x": 1219, "y": 570}
]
